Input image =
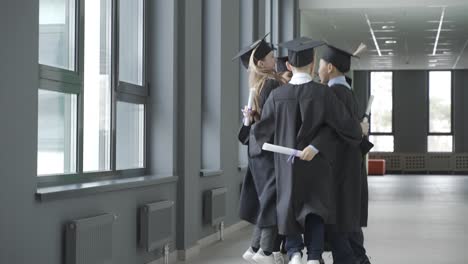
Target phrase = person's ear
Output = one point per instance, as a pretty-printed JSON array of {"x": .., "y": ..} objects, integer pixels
[
  {"x": 329, "y": 68},
  {"x": 289, "y": 66},
  {"x": 312, "y": 67},
  {"x": 260, "y": 64}
]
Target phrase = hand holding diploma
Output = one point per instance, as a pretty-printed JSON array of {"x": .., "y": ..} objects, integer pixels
[
  {"x": 307, "y": 154},
  {"x": 368, "y": 109},
  {"x": 365, "y": 121},
  {"x": 248, "y": 115}
]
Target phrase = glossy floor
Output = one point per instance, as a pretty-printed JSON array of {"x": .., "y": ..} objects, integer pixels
[{"x": 413, "y": 219}]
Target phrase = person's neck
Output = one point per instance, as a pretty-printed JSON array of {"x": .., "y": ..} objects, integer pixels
[
  {"x": 335, "y": 75},
  {"x": 302, "y": 72}
]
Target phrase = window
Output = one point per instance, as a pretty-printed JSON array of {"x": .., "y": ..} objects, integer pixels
[
  {"x": 381, "y": 121},
  {"x": 440, "y": 138},
  {"x": 57, "y": 33},
  {"x": 131, "y": 41},
  {"x": 97, "y": 85},
  {"x": 57, "y": 133},
  {"x": 130, "y": 139},
  {"x": 87, "y": 125}
]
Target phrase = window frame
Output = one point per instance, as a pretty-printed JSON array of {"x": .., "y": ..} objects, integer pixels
[
  {"x": 125, "y": 87},
  {"x": 72, "y": 82},
  {"x": 428, "y": 103},
  {"x": 392, "y": 132}
]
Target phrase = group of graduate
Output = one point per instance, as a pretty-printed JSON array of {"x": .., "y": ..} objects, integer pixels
[{"x": 319, "y": 200}]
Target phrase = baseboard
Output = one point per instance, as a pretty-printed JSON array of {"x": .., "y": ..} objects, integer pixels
[
  {"x": 172, "y": 259},
  {"x": 188, "y": 254},
  {"x": 213, "y": 238}
]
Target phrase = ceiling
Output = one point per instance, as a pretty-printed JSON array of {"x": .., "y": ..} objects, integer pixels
[{"x": 405, "y": 36}]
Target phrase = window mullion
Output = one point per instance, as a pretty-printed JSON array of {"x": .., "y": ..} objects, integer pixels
[
  {"x": 80, "y": 68},
  {"x": 115, "y": 78}
]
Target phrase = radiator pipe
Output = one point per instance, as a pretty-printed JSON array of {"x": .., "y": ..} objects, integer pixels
[
  {"x": 221, "y": 231},
  {"x": 166, "y": 254}
]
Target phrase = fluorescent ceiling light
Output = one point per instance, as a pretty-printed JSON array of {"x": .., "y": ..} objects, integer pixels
[
  {"x": 438, "y": 32},
  {"x": 373, "y": 35},
  {"x": 390, "y": 41}
]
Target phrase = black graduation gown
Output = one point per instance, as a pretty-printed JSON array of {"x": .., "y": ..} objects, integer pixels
[
  {"x": 366, "y": 146},
  {"x": 348, "y": 171},
  {"x": 258, "y": 195},
  {"x": 294, "y": 114}
]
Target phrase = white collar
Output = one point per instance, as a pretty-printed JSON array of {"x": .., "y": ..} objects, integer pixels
[{"x": 300, "y": 78}]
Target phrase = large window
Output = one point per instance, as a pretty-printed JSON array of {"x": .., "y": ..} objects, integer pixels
[
  {"x": 381, "y": 125},
  {"x": 57, "y": 33},
  {"x": 382, "y": 111},
  {"x": 440, "y": 138},
  {"x": 90, "y": 123},
  {"x": 131, "y": 41},
  {"x": 130, "y": 139},
  {"x": 97, "y": 85},
  {"x": 57, "y": 133}
]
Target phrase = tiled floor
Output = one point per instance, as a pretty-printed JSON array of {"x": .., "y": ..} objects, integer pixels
[{"x": 413, "y": 220}]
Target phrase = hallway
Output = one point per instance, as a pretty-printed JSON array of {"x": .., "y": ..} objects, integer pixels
[{"x": 413, "y": 219}]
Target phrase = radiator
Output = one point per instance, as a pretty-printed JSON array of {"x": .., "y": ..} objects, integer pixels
[
  {"x": 214, "y": 206},
  {"x": 156, "y": 225},
  {"x": 461, "y": 162},
  {"x": 89, "y": 240},
  {"x": 439, "y": 162},
  {"x": 414, "y": 162}
]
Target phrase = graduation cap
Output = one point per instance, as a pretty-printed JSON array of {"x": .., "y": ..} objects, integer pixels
[
  {"x": 281, "y": 64},
  {"x": 301, "y": 50},
  {"x": 263, "y": 48},
  {"x": 340, "y": 58}
]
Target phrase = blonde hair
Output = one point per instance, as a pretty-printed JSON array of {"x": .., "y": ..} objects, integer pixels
[{"x": 257, "y": 78}]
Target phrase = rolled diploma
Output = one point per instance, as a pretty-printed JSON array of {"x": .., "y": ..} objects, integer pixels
[
  {"x": 369, "y": 106},
  {"x": 249, "y": 106},
  {"x": 281, "y": 150}
]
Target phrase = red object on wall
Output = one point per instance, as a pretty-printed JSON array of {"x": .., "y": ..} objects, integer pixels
[{"x": 376, "y": 167}]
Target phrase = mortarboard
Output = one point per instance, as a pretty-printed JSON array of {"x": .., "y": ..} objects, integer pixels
[
  {"x": 340, "y": 58},
  {"x": 263, "y": 49},
  {"x": 301, "y": 50}
]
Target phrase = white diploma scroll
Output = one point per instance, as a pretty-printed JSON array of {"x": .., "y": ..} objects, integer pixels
[
  {"x": 249, "y": 106},
  {"x": 369, "y": 106},
  {"x": 281, "y": 150}
]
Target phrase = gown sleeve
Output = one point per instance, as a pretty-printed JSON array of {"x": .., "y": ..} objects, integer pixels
[{"x": 263, "y": 130}]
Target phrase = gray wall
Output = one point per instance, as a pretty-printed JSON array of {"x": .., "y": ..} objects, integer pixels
[
  {"x": 460, "y": 82},
  {"x": 32, "y": 231},
  {"x": 410, "y": 108}
]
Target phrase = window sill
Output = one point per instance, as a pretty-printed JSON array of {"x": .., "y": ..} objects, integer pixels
[
  {"x": 82, "y": 189},
  {"x": 211, "y": 173}
]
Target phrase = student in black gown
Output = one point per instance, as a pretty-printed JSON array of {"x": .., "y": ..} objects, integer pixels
[
  {"x": 292, "y": 117},
  {"x": 345, "y": 235},
  {"x": 260, "y": 179}
]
